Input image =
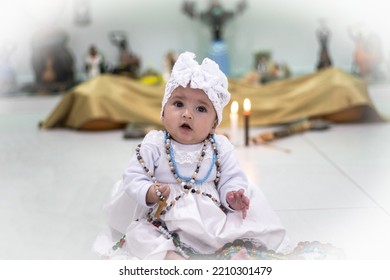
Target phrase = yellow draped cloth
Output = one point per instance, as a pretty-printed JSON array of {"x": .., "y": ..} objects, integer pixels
[{"x": 121, "y": 100}]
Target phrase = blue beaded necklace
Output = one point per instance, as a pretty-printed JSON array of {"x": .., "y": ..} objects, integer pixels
[{"x": 188, "y": 182}]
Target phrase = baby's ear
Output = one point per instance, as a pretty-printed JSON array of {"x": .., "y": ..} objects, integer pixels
[
  {"x": 214, "y": 126},
  {"x": 162, "y": 119}
]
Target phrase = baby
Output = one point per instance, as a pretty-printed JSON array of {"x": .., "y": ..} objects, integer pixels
[{"x": 193, "y": 199}]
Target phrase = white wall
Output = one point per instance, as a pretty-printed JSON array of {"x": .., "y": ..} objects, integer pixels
[{"x": 286, "y": 27}]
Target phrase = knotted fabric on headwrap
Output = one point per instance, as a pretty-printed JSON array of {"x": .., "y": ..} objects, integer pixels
[{"x": 206, "y": 76}]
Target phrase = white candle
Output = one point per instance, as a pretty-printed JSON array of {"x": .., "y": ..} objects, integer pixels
[{"x": 234, "y": 122}]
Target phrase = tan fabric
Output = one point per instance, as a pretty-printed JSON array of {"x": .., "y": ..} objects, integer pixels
[{"x": 119, "y": 99}]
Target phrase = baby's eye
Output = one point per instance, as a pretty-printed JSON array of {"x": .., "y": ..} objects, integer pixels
[
  {"x": 178, "y": 104},
  {"x": 201, "y": 109}
]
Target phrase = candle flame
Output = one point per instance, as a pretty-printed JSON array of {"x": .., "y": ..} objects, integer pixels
[
  {"x": 247, "y": 105},
  {"x": 234, "y": 107}
]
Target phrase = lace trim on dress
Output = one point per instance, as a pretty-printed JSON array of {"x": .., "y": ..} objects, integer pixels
[{"x": 189, "y": 157}]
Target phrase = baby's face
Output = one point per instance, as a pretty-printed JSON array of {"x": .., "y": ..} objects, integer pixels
[{"x": 189, "y": 116}]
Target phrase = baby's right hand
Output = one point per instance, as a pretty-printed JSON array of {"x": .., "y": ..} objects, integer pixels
[{"x": 153, "y": 194}]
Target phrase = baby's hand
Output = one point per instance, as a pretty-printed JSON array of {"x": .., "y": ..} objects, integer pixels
[
  {"x": 238, "y": 201},
  {"x": 155, "y": 191}
]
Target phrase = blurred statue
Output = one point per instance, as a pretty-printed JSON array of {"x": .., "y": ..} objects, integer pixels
[
  {"x": 368, "y": 55},
  {"x": 269, "y": 70},
  {"x": 323, "y": 34},
  {"x": 169, "y": 60},
  {"x": 94, "y": 62},
  {"x": 52, "y": 62},
  {"x": 216, "y": 17},
  {"x": 129, "y": 63}
]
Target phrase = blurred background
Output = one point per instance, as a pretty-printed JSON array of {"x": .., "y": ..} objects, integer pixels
[
  {"x": 284, "y": 29},
  {"x": 331, "y": 187}
]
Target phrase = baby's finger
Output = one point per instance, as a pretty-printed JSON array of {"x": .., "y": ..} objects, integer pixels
[
  {"x": 240, "y": 192},
  {"x": 246, "y": 201},
  {"x": 165, "y": 190},
  {"x": 230, "y": 196},
  {"x": 244, "y": 211}
]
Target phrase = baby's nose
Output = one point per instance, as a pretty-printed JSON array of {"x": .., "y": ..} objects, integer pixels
[{"x": 187, "y": 114}]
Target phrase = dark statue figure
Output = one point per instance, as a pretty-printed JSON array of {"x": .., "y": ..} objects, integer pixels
[
  {"x": 215, "y": 16},
  {"x": 323, "y": 34},
  {"x": 52, "y": 62},
  {"x": 129, "y": 64}
]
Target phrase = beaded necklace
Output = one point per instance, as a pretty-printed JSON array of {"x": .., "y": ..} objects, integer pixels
[{"x": 187, "y": 182}]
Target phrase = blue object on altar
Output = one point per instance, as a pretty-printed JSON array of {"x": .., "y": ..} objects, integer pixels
[{"x": 219, "y": 53}]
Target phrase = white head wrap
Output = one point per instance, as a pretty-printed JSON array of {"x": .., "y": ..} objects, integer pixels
[{"x": 206, "y": 76}]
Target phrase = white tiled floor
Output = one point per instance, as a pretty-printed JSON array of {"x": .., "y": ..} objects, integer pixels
[{"x": 334, "y": 185}]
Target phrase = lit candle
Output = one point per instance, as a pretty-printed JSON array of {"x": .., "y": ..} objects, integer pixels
[
  {"x": 233, "y": 122},
  {"x": 247, "y": 112}
]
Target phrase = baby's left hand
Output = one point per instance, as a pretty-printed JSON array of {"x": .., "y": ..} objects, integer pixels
[{"x": 238, "y": 201}]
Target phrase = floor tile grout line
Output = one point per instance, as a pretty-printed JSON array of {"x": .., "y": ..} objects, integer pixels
[{"x": 327, "y": 158}]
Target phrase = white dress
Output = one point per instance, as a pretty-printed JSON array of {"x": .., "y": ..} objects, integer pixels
[{"x": 198, "y": 220}]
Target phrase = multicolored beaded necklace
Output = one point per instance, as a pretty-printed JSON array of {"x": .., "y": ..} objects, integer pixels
[{"x": 186, "y": 182}]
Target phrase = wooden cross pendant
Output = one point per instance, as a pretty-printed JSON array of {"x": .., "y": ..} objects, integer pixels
[{"x": 161, "y": 205}]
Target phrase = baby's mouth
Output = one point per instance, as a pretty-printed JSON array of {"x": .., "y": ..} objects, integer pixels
[{"x": 185, "y": 126}]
